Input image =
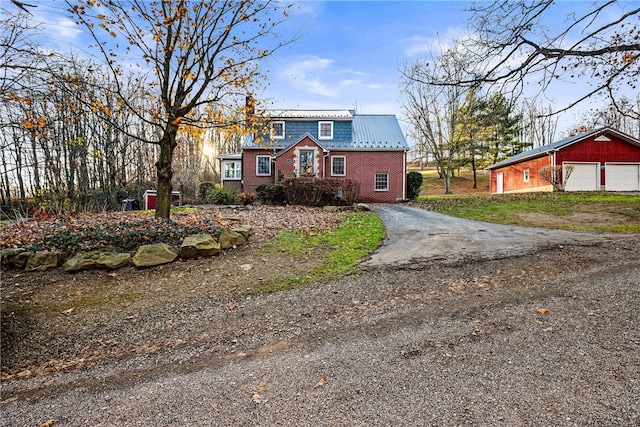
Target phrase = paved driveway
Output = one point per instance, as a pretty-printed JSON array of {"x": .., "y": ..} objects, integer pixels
[{"x": 415, "y": 235}]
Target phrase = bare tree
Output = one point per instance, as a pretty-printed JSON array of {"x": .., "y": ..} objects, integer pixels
[
  {"x": 619, "y": 117},
  {"x": 202, "y": 57},
  {"x": 538, "y": 124},
  {"x": 511, "y": 42},
  {"x": 433, "y": 110},
  {"x": 556, "y": 176}
]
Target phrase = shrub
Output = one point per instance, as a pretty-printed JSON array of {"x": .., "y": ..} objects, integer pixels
[
  {"x": 222, "y": 196},
  {"x": 555, "y": 176},
  {"x": 123, "y": 236},
  {"x": 271, "y": 194},
  {"x": 246, "y": 198},
  {"x": 204, "y": 188},
  {"x": 414, "y": 182},
  {"x": 321, "y": 191}
]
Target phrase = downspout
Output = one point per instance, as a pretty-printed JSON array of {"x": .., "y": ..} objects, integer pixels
[
  {"x": 273, "y": 162},
  {"x": 275, "y": 172},
  {"x": 324, "y": 165},
  {"x": 553, "y": 167},
  {"x": 404, "y": 174}
]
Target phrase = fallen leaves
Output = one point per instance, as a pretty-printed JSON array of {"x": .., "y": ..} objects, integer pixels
[
  {"x": 320, "y": 383},
  {"x": 542, "y": 310},
  {"x": 256, "y": 397},
  {"x": 265, "y": 220}
]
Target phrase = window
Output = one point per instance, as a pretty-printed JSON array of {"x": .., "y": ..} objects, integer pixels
[
  {"x": 338, "y": 165},
  {"x": 325, "y": 130},
  {"x": 306, "y": 163},
  {"x": 382, "y": 182},
  {"x": 277, "y": 129},
  {"x": 232, "y": 169},
  {"x": 263, "y": 166},
  {"x": 527, "y": 174}
]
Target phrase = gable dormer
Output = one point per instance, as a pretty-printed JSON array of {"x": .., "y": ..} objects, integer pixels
[{"x": 285, "y": 127}]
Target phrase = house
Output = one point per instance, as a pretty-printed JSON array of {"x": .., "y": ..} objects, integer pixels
[
  {"x": 341, "y": 144},
  {"x": 601, "y": 160}
]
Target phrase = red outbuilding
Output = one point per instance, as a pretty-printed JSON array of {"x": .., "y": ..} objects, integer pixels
[{"x": 599, "y": 160}]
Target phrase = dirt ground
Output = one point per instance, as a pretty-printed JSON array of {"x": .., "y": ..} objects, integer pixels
[{"x": 558, "y": 328}]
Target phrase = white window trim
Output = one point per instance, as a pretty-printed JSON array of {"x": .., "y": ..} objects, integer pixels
[
  {"x": 258, "y": 164},
  {"x": 344, "y": 165},
  {"x": 283, "y": 130},
  {"x": 375, "y": 181},
  {"x": 224, "y": 169},
  {"x": 320, "y": 129},
  {"x": 526, "y": 174}
]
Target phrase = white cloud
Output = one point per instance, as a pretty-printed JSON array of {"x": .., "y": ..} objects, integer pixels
[
  {"x": 320, "y": 76},
  {"x": 349, "y": 82},
  {"x": 420, "y": 44},
  {"x": 55, "y": 23},
  {"x": 64, "y": 28}
]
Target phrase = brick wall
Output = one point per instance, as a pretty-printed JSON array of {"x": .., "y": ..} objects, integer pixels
[
  {"x": 249, "y": 164},
  {"x": 361, "y": 166}
]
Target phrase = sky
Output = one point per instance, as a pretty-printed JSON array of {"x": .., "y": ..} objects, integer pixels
[{"x": 348, "y": 54}]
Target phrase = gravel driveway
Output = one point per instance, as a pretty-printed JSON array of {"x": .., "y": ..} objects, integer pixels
[
  {"x": 539, "y": 334},
  {"x": 415, "y": 235}
]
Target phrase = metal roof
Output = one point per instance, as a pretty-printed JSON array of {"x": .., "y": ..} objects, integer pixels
[
  {"x": 309, "y": 114},
  {"x": 555, "y": 146},
  {"x": 377, "y": 131}
]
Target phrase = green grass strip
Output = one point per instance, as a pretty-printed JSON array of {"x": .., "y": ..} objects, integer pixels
[
  {"x": 603, "y": 212},
  {"x": 342, "y": 249}
]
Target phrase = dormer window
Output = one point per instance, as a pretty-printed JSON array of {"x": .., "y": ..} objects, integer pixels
[
  {"x": 325, "y": 130},
  {"x": 277, "y": 130}
]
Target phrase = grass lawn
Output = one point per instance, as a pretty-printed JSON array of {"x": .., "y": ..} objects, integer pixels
[
  {"x": 341, "y": 249},
  {"x": 603, "y": 212}
]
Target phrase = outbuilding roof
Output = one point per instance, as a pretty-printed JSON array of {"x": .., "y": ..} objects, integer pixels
[{"x": 558, "y": 145}]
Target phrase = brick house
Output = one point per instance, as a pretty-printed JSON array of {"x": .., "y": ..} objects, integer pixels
[
  {"x": 370, "y": 149},
  {"x": 602, "y": 160}
]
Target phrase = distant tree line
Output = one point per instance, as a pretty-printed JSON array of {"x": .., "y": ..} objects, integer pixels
[{"x": 81, "y": 135}]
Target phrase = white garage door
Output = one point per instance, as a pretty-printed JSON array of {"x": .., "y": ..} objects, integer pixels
[
  {"x": 583, "y": 178},
  {"x": 622, "y": 177}
]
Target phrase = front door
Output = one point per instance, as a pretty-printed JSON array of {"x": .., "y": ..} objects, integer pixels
[
  {"x": 500, "y": 183},
  {"x": 306, "y": 163}
]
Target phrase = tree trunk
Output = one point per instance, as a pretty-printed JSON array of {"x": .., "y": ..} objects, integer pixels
[
  {"x": 473, "y": 166},
  {"x": 165, "y": 172},
  {"x": 446, "y": 174}
]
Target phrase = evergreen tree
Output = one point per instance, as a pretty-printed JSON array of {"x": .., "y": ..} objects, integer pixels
[{"x": 500, "y": 128}]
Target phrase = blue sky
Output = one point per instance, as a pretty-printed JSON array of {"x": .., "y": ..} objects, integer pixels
[{"x": 349, "y": 53}]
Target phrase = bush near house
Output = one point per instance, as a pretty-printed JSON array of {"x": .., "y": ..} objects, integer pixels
[
  {"x": 414, "y": 182},
  {"x": 271, "y": 194},
  {"x": 204, "y": 188},
  {"x": 246, "y": 198},
  {"x": 321, "y": 191},
  {"x": 222, "y": 196},
  {"x": 211, "y": 193}
]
